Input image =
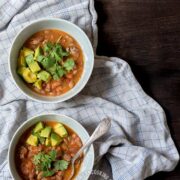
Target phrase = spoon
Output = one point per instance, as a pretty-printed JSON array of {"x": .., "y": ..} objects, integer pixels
[{"x": 101, "y": 129}]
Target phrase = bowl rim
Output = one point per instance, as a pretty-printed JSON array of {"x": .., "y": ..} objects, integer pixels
[
  {"x": 55, "y": 100},
  {"x": 47, "y": 114}
]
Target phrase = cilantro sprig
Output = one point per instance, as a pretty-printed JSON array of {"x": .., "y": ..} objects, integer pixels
[
  {"x": 48, "y": 164},
  {"x": 69, "y": 64},
  {"x": 52, "y": 60}
]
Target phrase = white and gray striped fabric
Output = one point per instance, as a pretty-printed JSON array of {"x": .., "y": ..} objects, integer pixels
[{"x": 139, "y": 143}]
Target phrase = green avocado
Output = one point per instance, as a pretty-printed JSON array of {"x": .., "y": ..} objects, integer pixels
[
  {"x": 38, "y": 84},
  {"x": 55, "y": 139},
  {"x": 21, "y": 70},
  {"x": 39, "y": 126},
  {"x": 60, "y": 130},
  {"x": 32, "y": 140},
  {"x": 34, "y": 67},
  {"x": 27, "y": 75},
  {"x": 45, "y": 132},
  {"x": 48, "y": 142},
  {"x": 44, "y": 75},
  {"x": 27, "y": 51},
  {"x": 37, "y": 52},
  {"x": 21, "y": 60}
]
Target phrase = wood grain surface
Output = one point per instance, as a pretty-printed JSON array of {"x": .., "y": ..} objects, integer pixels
[{"x": 146, "y": 33}]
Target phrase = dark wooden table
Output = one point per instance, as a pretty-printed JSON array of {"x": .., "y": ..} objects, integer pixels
[{"x": 146, "y": 33}]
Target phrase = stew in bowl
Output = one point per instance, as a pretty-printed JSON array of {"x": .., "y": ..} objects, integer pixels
[
  {"x": 51, "y": 60},
  {"x": 43, "y": 147}
]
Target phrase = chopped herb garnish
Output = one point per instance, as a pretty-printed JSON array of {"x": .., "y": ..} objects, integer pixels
[
  {"x": 47, "y": 47},
  {"x": 50, "y": 58},
  {"x": 61, "y": 165},
  {"x": 60, "y": 71},
  {"x": 53, "y": 154},
  {"x": 48, "y": 173},
  {"x": 40, "y": 58},
  {"x": 69, "y": 64},
  {"x": 48, "y": 164}
]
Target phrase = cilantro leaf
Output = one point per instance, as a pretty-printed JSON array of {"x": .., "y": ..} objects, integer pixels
[
  {"x": 40, "y": 58},
  {"x": 37, "y": 158},
  {"x": 59, "y": 49},
  {"x": 47, "y": 47},
  {"x": 60, "y": 71},
  {"x": 53, "y": 154},
  {"x": 48, "y": 173},
  {"x": 47, "y": 63},
  {"x": 56, "y": 71},
  {"x": 48, "y": 164},
  {"x": 61, "y": 165},
  {"x": 69, "y": 64},
  {"x": 55, "y": 77},
  {"x": 55, "y": 55}
]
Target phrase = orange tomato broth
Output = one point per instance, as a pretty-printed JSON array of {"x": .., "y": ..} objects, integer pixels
[
  {"x": 22, "y": 141},
  {"x": 64, "y": 84}
]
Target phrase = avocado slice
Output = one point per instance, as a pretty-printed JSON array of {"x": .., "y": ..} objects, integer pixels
[
  {"x": 34, "y": 67},
  {"x": 21, "y": 59},
  {"x": 32, "y": 140},
  {"x": 21, "y": 70},
  {"x": 38, "y": 84},
  {"x": 48, "y": 142},
  {"x": 45, "y": 132},
  {"x": 60, "y": 130},
  {"x": 41, "y": 139},
  {"x": 27, "y": 75},
  {"x": 27, "y": 51},
  {"x": 29, "y": 59},
  {"x": 37, "y": 52},
  {"x": 39, "y": 126},
  {"x": 44, "y": 75},
  {"x": 55, "y": 139}
]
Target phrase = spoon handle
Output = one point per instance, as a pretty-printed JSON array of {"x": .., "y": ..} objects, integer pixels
[{"x": 101, "y": 129}]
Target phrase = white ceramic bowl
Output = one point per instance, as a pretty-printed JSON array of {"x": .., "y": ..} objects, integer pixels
[
  {"x": 52, "y": 23},
  {"x": 88, "y": 161}
]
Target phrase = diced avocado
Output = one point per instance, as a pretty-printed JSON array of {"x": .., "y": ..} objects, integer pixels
[
  {"x": 48, "y": 142},
  {"x": 58, "y": 125},
  {"x": 55, "y": 139},
  {"x": 27, "y": 75},
  {"x": 34, "y": 67},
  {"x": 29, "y": 59},
  {"x": 37, "y": 52},
  {"x": 21, "y": 70},
  {"x": 41, "y": 139},
  {"x": 32, "y": 140},
  {"x": 45, "y": 132},
  {"x": 60, "y": 130},
  {"x": 44, "y": 75},
  {"x": 39, "y": 126},
  {"x": 38, "y": 84},
  {"x": 21, "y": 59},
  {"x": 27, "y": 51}
]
